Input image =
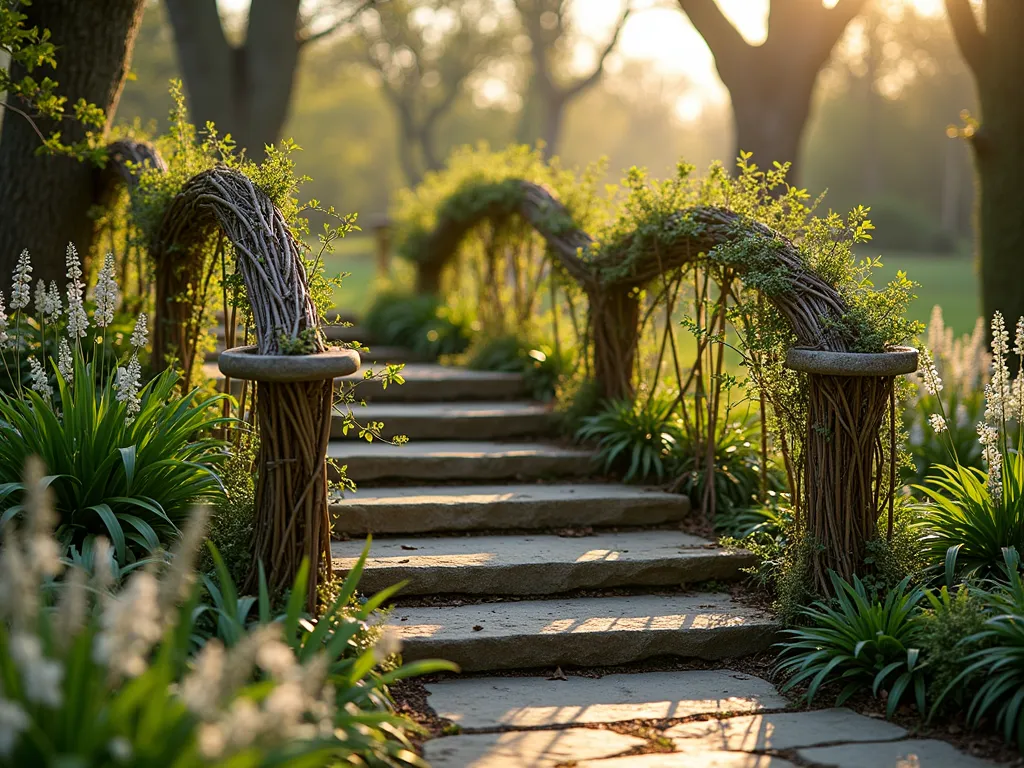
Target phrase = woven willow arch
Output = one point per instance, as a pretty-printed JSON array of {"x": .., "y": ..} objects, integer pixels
[
  {"x": 292, "y": 520},
  {"x": 849, "y": 469}
]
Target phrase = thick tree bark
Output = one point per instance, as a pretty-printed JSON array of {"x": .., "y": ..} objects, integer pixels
[
  {"x": 996, "y": 58},
  {"x": 772, "y": 84},
  {"x": 45, "y": 201},
  {"x": 245, "y": 91}
]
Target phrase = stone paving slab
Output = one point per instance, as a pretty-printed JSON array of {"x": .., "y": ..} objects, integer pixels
[
  {"x": 443, "y": 460},
  {"x": 495, "y": 702},
  {"x": 915, "y": 753},
  {"x": 782, "y": 730},
  {"x": 539, "y": 564},
  {"x": 475, "y": 420},
  {"x": 687, "y": 760},
  {"x": 430, "y": 509},
  {"x": 526, "y": 749},
  {"x": 593, "y": 631},
  {"x": 431, "y": 382}
]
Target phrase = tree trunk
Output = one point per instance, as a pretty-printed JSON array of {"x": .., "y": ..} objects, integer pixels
[
  {"x": 999, "y": 155},
  {"x": 245, "y": 91},
  {"x": 770, "y": 115},
  {"x": 45, "y": 201},
  {"x": 542, "y": 117},
  {"x": 614, "y": 318}
]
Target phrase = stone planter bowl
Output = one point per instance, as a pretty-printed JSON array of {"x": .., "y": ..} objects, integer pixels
[
  {"x": 896, "y": 362},
  {"x": 247, "y": 364}
]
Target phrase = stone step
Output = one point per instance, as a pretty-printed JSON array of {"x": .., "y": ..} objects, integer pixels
[
  {"x": 430, "y": 382},
  {"x": 452, "y": 421},
  {"x": 491, "y": 703},
  {"x": 533, "y": 749},
  {"x": 433, "y": 509},
  {"x": 444, "y": 460},
  {"x": 540, "y": 564},
  {"x": 594, "y": 631}
]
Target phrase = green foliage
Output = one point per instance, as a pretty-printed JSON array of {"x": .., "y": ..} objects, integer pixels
[
  {"x": 131, "y": 480},
  {"x": 540, "y": 364},
  {"x": 636, "y": 439},
  {"x": 964, "y": 530},
  {"x": 100, "y": 677},
  {"x": 858, "y": 642},
  {"x": 737, "y": 469},
  {"x": 946, "y": 626},
  {"x": 419, "y": 322},
  {"x": 999, "y": 665},
  {"x": 233, "y": 514},
  {"x": 479, "y": 182},
  {"x": 31, "y": 97}
]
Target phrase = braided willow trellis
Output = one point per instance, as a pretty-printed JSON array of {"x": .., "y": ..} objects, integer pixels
[
  {"x": 292, "y": 519},
  {"x": 844, "y": 474}
]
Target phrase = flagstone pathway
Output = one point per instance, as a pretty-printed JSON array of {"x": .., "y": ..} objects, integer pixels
[{"x": 524, "y": 569}]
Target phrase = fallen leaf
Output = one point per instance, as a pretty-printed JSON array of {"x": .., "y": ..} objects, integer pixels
[
  {"x": 406, "y": 546},
  {"x": 477, "y": 628}
]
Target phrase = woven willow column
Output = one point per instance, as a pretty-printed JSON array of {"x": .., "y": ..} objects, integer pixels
[
  {"x": 850, "y": 395},
  {"x": 295, "y": 398}
]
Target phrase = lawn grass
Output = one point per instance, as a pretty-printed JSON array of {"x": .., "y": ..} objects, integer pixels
[
  {"x": 949, "y": 281},
  {"x": 354, "y": 255}
]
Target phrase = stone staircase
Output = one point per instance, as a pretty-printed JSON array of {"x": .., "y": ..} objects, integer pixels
[{"x": 589, "y": 628}]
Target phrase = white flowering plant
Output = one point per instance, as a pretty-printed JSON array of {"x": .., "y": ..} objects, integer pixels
[
  {"x": 972, "y": 515},
  {"x": 961, "y": 369},
  {"x": 127, "y": 458},
  {"x": 93, "y": 673}
]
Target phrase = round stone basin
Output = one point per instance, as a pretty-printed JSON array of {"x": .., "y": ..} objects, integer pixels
[
  {"x": 248, "y": 364},
  {"x": 895, "y": 362}
]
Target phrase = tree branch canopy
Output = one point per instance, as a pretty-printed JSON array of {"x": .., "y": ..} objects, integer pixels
[
  {"x": 591, "y": 79},
  {"x": 969, "y": 37},
  {"x": 724, "y": 40}
]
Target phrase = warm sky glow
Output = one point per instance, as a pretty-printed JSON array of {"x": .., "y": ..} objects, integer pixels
[{"x": 661, "y": 34}]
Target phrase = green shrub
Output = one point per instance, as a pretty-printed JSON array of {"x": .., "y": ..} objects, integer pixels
[
  {"x": 964, "y": 530},
  {"x": 1000, "y": 664},
  {"x": 131, "y": 479},
  {"x": 636, "y": 439},
  {"x": 860, "y": 643},
  {"x": 419, "y": 322},
  {"x": 946, "y": 625},
  {"x": 541, "y": 367},
  {"x": 737, "y": 468},
  {"x": 99, "y": 677},
  {"x": 232, "y": 515}
]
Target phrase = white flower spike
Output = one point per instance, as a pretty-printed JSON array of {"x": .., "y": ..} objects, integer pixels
[
  {"x": 77, "y": 319},
  {"x": 105, "y": 294},
  {"x": 22, "y": 282}
]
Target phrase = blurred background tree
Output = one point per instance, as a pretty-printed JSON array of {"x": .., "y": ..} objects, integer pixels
[
  {"x": 245, "y": 86},
  {"x": 875, "y": 134},
  {"x": 94, "y": 43},
  {"x": 422, "y": 56},
  {"x": 771, "y": 84},
  {"x": 551, "y": 40},
  {"x": 995, "y": 56}
]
